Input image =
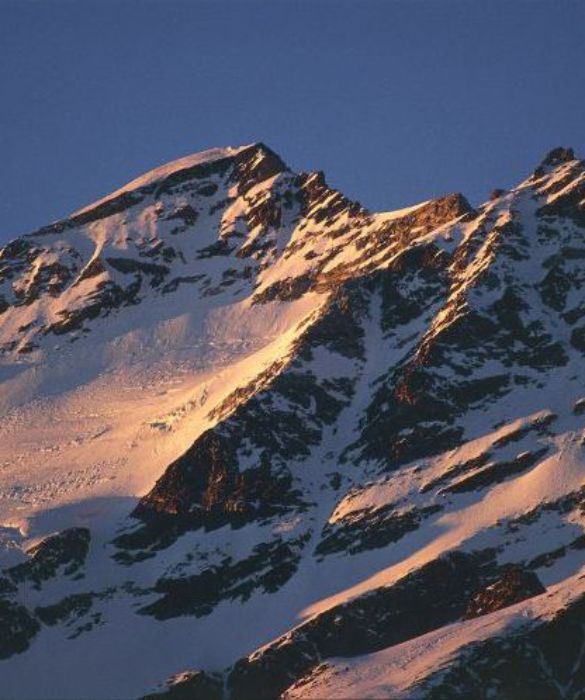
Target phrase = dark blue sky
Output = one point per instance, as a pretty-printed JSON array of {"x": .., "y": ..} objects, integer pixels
[{"x": 396, "y": 101}]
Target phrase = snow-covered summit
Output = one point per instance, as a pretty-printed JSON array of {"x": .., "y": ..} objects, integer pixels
[
  {"x": 161, "y": 172},
  {"x": 321, "y": 451},
  {"x": 232, "y": 222}
]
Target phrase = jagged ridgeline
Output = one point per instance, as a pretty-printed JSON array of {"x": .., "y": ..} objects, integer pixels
[{"x": 261, "y": 442}]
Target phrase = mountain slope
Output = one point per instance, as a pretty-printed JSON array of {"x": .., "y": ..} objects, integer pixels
[{"x": 292, "y": 436}]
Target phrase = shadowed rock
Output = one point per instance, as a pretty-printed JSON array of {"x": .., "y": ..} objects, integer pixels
[
  {"x": 67, "y": 549},
  {"x": 516, "y": 585}
]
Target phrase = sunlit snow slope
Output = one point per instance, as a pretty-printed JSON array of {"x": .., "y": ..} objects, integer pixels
[{"x": 257, "y": 441}]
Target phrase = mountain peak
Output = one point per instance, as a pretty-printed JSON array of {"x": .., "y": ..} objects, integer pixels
[
  {"x": 162, "y": 172},
  {"x": 557, "y": 156},
  {"x": 232, "y": 383}
]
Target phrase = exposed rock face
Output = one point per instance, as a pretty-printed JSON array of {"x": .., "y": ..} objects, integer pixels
[
  {"x": 67, "y": 550},
  {"x": 268, "y": 568},
  {"x": 60, "y": 555},
  {"x": 18, "y": 628},
  {"x": 514, "y": 586},
  {"x": 429, "y": 598},
  {"x": 371, "y": 528},
  {"x": 202, "y": 479},
  {"x": 543, "y": 661},
  {"x": 536, "y": 657},
  {"x": 559, "y": 155},
  {"x": 204, "y": 486}
]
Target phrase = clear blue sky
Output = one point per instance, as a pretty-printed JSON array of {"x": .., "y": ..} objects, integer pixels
[{"x": 395, "y": 101}]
